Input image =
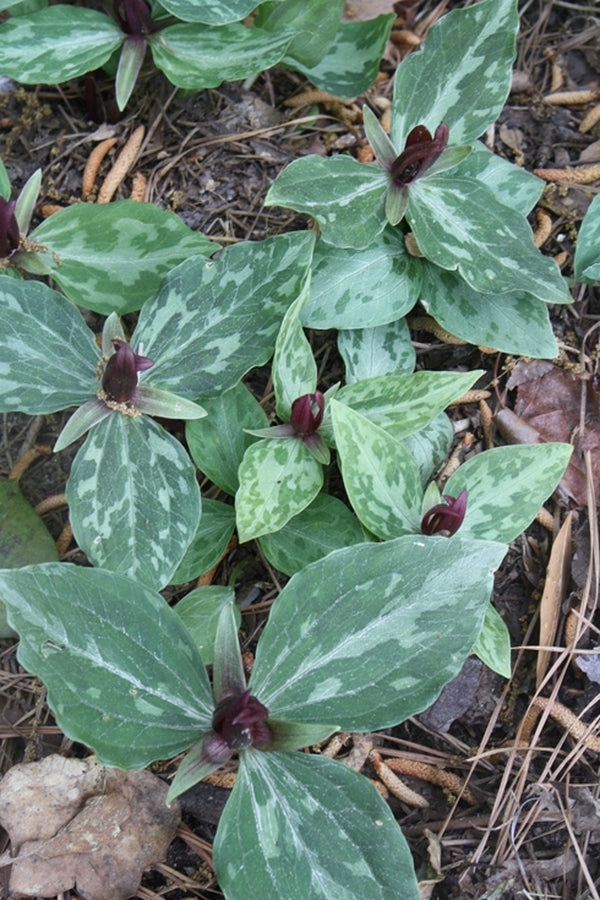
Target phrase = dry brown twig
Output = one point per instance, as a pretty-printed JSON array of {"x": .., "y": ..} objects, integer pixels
[
  {"x": 434, "y": 775},
  {"x": 92, "y": 166},
  {"x": 122, "y": 165},
  {"x": 583, "y": 175},
  {"x": 394, "y": 785}
]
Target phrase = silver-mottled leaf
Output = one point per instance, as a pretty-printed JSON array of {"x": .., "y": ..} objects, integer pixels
[
  {"x": 512, "y": 185},
  {"x": 294, "y": 370},
  {"x": 211, "y": 12},
  {"x": 493, "y": 643},
  {"x": 315, "y": 25},
  {"x": 430, "y": 447},
  {"x": 214, "y": 531},
  {"x": 199, "y": 611},
  {"x": 383, "y": 350},
  {"x": 587, "y": 250}
]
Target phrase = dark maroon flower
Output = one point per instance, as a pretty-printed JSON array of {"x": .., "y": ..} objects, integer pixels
[
  {"x": 134, "y": 17},
  {"x": 307, "y": 413},
  {"x": 420, "y": 152},
  {"x": 9, "y": 228},
  {"x": 240, "y": 721},
  {"x": 445, "y": 518},
  {"x": 120, "y": 379}
]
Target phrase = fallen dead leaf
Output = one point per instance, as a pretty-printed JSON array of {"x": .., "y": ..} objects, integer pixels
[{"x": 76, "y": 824}]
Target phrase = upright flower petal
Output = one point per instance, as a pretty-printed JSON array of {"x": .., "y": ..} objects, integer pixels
[
  {"x": 134, "y": 17},
  {"x": 420, "y": 152},
  {"x": 120, "y": 379},
  {"x": 240, "y": 721},
  {"x": 445, "y": 518},
  {"x": 9, "y": 228}
]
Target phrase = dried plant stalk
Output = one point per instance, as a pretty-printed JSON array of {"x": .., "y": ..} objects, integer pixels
[
  {"x": 63, "y": 540},
  {"x": 590, "y": 119},
  {"x": 55, "y": 502},
  {"x": 434, "y": 775},
  {"x": 138, "y": 187},
  {"x": 578, "y": 730},
  {"x": 393, "y": 783},
  {"x": 24, "y": 461},
  {"x": 428, "y": 323},
  {"x": 583, "y": 175},
  {"x": 307, "y": 98},
  {"x": 571, "y": 98},
  {"x": 93, "y": 164},
  {"x": 48, "y": 209},
  {"x": 122, "y": 165},
  {"x": 544, "y": 227}
]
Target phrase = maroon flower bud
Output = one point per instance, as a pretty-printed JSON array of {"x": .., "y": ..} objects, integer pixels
[
  {"x": 134, "y": 17},
  {"x": 120, "y": 379},
  {"x": 9, "y": 228},
  {"x": 420, "y": 152},
  {"x": 240, "y": 721},
  {"x": 446, "y": 518},
  {"x": 307, "y": 413}
]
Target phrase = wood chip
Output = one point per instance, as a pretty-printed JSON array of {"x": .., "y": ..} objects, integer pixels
[{"x": 122, "y": 165}]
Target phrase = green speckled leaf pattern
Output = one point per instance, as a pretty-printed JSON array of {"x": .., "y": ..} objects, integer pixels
[
  {"x": 363, "y": 289},
  {"x": 211, "y": 12},
  {"x": 56, "y": 44},
  {"x": 213, "y": 320},
  {"x": 48, "y": 357},
  {"x": 294, "y": 370},
  {"x": 123, "y": 674},
  {"x": 512, "y": 185},
  {"x": 458, "y": 224},
  {"x": 279, "y": 477},
  {"x": 406, "y": 611},
  {"x": 209, "y": 543},
  {"x": 430, "y": 446},
  {"x": 383, "y": 350},
  {"x": 587, "y": 250},
  {"x": 513, "y": 322},
  {"x": 347, "y": 198},
  {"x": 493, "y": 643},
  {"x": 461, "y": 75},
  {"x": 200, "y": 610},
  {"x": 506, "y": 487},
  {"x": 351, "y": 63},
  {"x": 197, "y": 57},
  {"x": 326, "y": 525},
  {"x": 134, "y": 500},
  {"x": 287, "y": 831},
  {"x": 114, "y": 256},
  {"x": 315, "y": 23},
  {"x": 218, "y": 442},
  {"x": 381, "y": 477}
]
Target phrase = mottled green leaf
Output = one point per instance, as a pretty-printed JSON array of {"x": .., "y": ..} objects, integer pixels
[
  {"x": 211, "y": 12},
  {"x": 380, "y": 476},
  {"x": 300, "y": 826},
  {"x": 122, "y": 672},
  {"x": 362, "y": 288},
  {"x": 314, "y": 21},
  {"x": 131, "y": 57},
  {"x": 430, "y": 446},
  {"x": 513, "y": 322},
  {"x": 351, "y": 63},
  {"x": 512, "y": 185},
  {"x": 209, "y": 543},
  {"x": 294, "y": 370},
  {"x": 587, "y": 250},
  {"x": 56, "y": 44},
  {"x": 459, "y": 224},
  {"x": 347, "y": 198},
  {"x": 406, "y": 611},
  {"x": 213, "y": 320},
  {"x": 218, "y": 442},
  {"x": 493, "y": 643},
  {"x": 113, "y": 256},
  {"x": 134, "y": 500},
  {"x": 5, "y": 186},
  {"x": 326, "y": 525},
  {"x": 48, "y": 357},
  {"x": 461, "y": 75},
  {"x": 384, "y": 350},
  {"x": 506, "y": 487},
  {"x": 200, "y": 610},
  {"x": 196, "y": 56},
  {"x": 279, "y": 477}
]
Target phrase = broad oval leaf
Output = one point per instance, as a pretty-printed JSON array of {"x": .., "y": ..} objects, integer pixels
[
  {"x": 493, "y": 643},
  {"x": 48, "y": 357},
  {"x": 315, "y": 23},
  {"x": 134, "y": 500},
  {"x": 122, "y": 672},
  {"x": 461, "y": 75},
  {"x": 211, "y": 12},
  {"x": 587, "y": 253},
  {"x": 406, "y": 611},
  {"x": 200, "y": 610},
  {"x": 382, "y": 350},
  {"x": 506, "y": 487},
  {"x": 213, "y": 320},
  {"x": 512, "y": 185},
  {"x": 294, "y": 370},
  {"x": 209, "y": 543},
  {"x": 112, "y": 257},
  {"x": 56, "y": 44},
  {"x": 304, "y": 826}
]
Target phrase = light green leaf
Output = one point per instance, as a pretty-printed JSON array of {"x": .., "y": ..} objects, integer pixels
[
  {"x": 403, "y": 404},
  {"x": 211, "y": 12},
  {"x": 85, "y": 417},
  {"x": 278, "y": 479},
  {"x": 326, "y": 525},
  {"x": 294, "y": 370},
  {"x": 194, "y": 766},
  {"x": 314, "y": 21},
  {"x": 587, "y": 250},
  {"x": 200, "y": 610},
  {"x": 214, "y": 320},
  {"x": 218, "y": 442},
  {"x": 384, "y": 350},
  {"x": 430, "y": 447},
  {"x": 209, "y": 543},
  {"x": 22, "y": 7},
  {"x": 380, "y": 476},
  {"x": 362, "y": 288},
  {"x": 292, "y": 735},
  {"x": 512, "y": 185},
  {"x": 513, "y": 322},
  {"x": 5, "y": 186},
  {"x": 113, "y": 256},
  {"x": 154, "y": 402},
  {"x": 134, "y": 499},
  {"x": 56, "y": 44},
  {"x": 48, "y": 357},
  {"x": 347, "y": 198},
  {"x": 493, "y": 643},
  {"x": 131, "y": 58},
  {"x": 122, "y": 672},
  {"x": 406, "y": 611},
  {"x": 506, "y": 487},
  {"x": 300, "y": 826},
  {"x": 383, "y": 148},
  {"x": 351, "y": 63},
  {"x": 196, "y": 57},
  {"x": 27, "y": 201},
  {"x": 461, "y": 75},
  {"x": 458, "y": 224}
]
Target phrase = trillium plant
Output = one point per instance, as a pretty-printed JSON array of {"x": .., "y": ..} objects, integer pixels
[
  {"x": 196, "y": 45},
  {"x": 437, "y": 218}
]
